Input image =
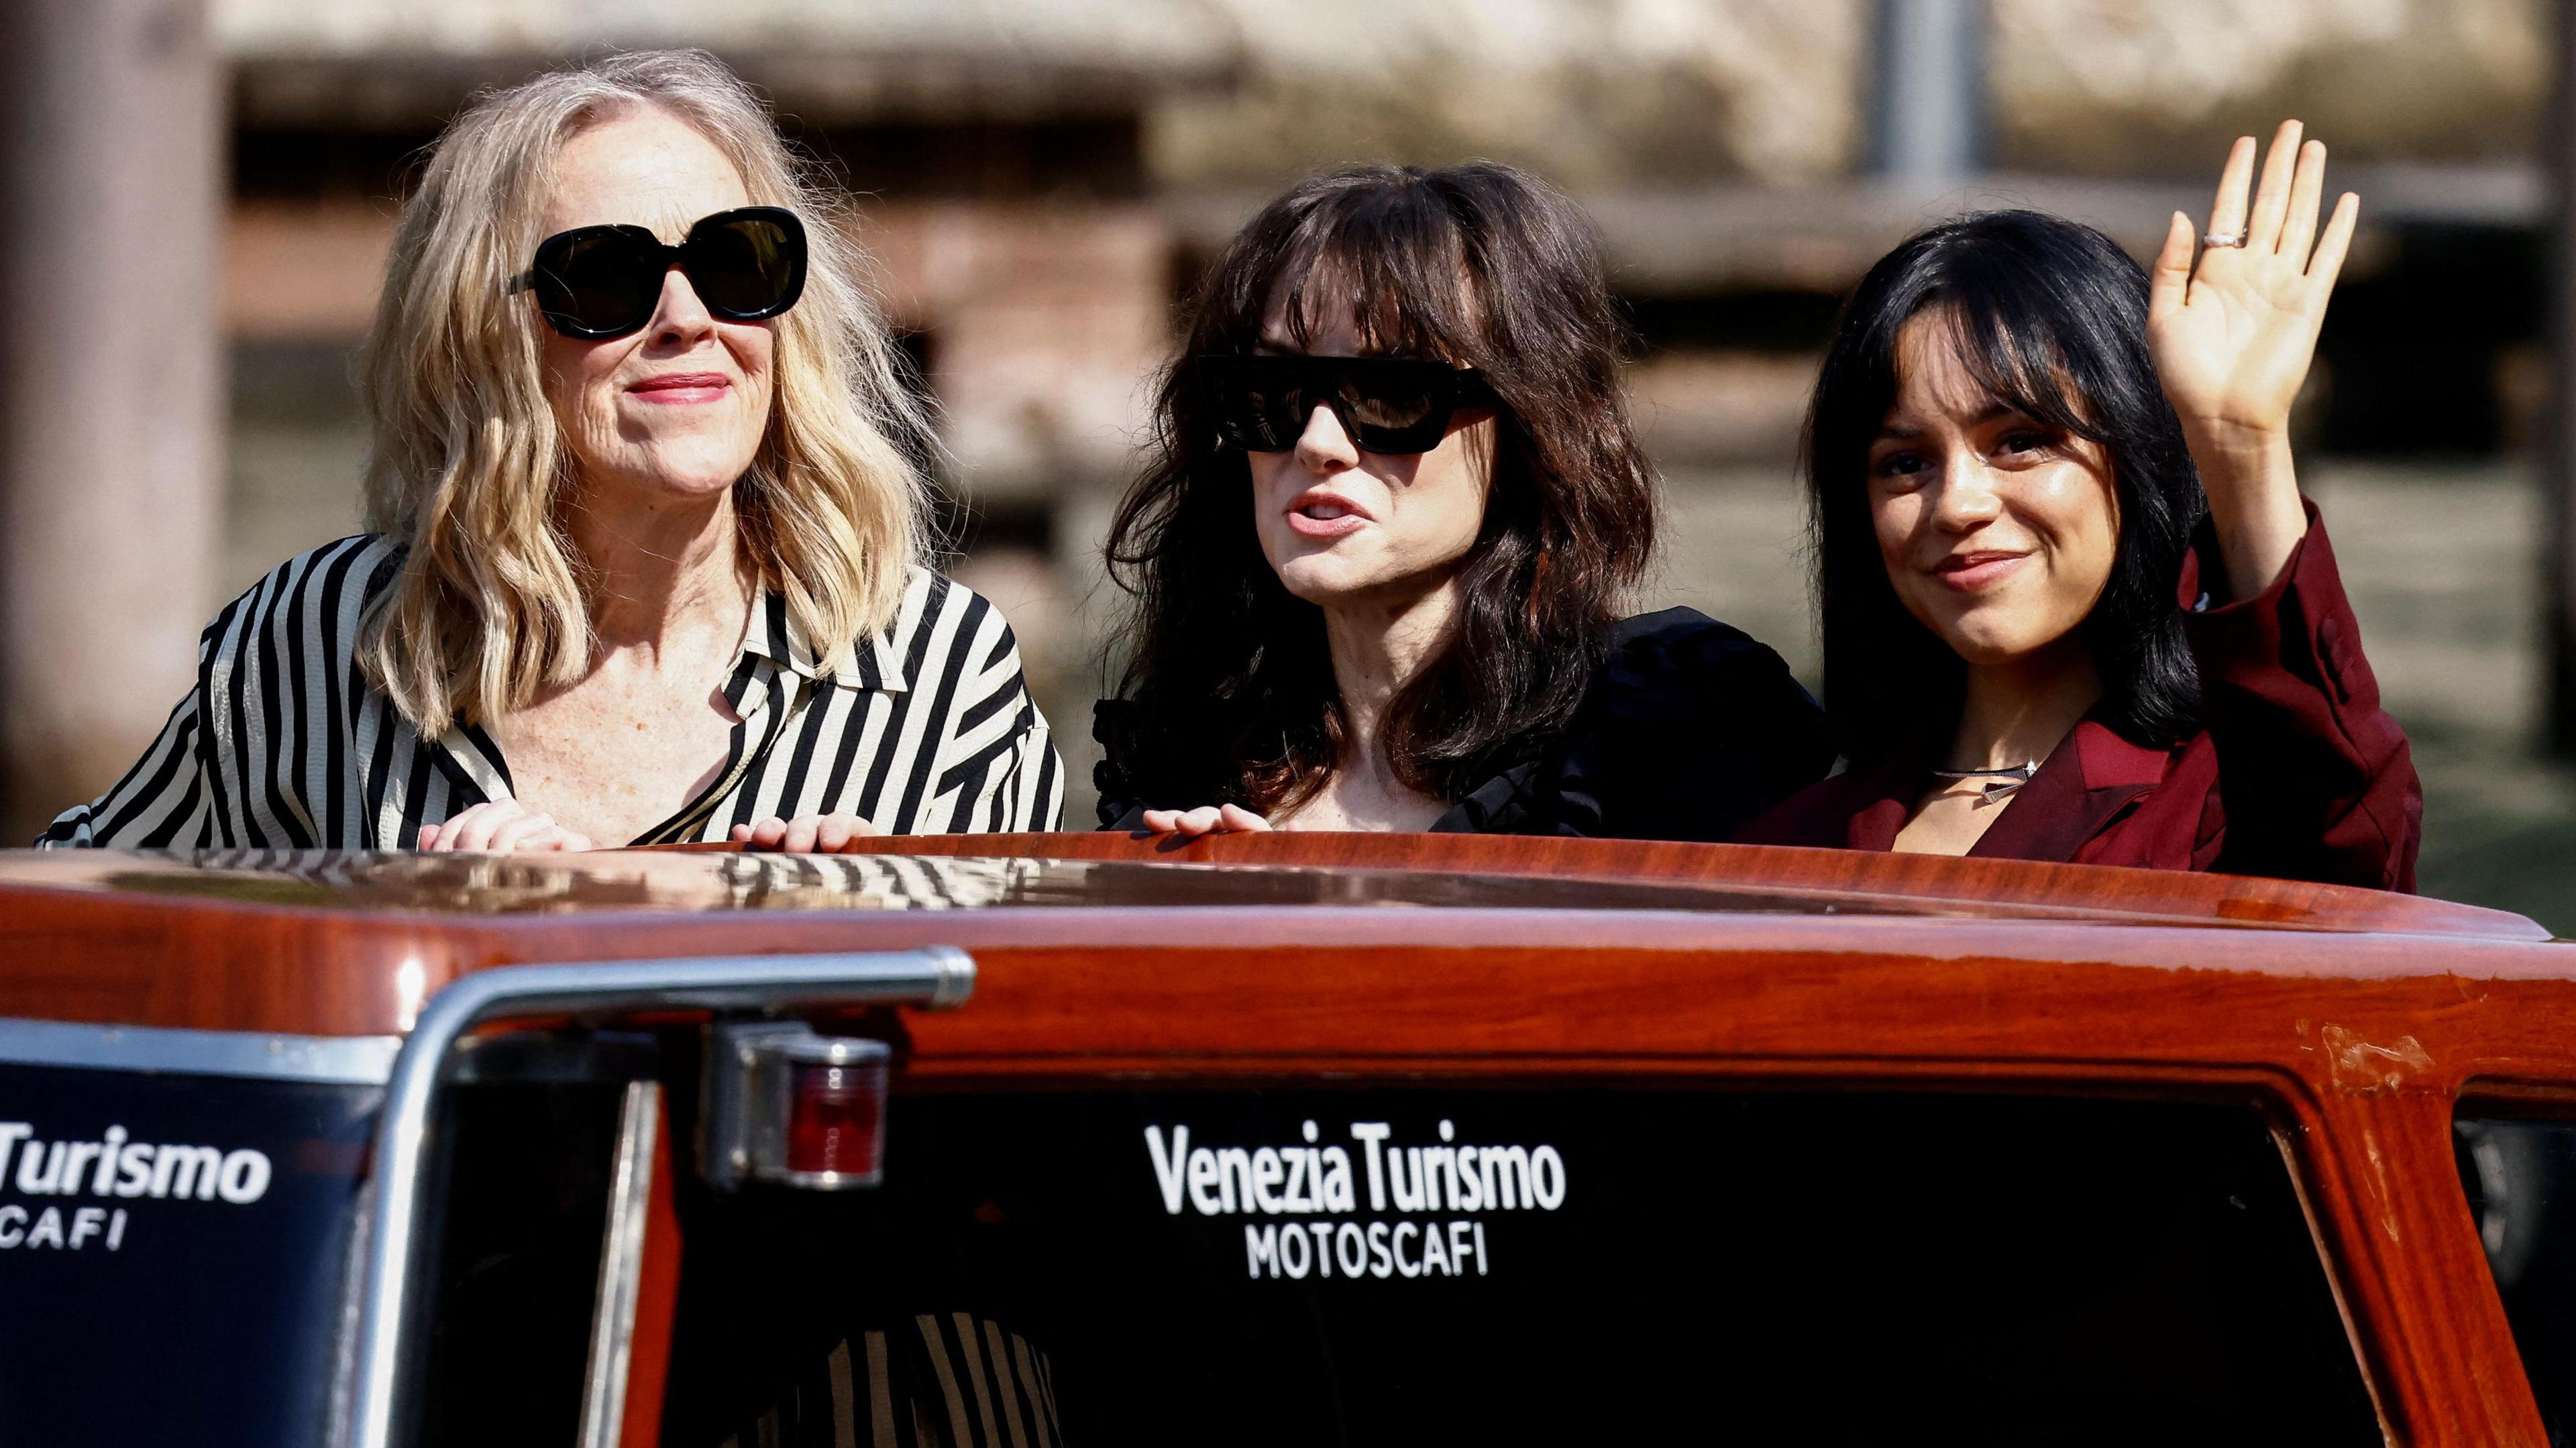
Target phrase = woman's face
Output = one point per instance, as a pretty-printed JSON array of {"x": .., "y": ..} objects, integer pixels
[
  {"x": 1342, "y": 526},
  {"x": 675, "y": 411},
  {"x": 1998, "y": 532}
]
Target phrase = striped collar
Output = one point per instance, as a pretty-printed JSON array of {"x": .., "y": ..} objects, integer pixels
[{"x": 775, "y": 635}]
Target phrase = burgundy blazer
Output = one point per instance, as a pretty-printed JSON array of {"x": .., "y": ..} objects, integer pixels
[{"x": 2298, "y": 774}]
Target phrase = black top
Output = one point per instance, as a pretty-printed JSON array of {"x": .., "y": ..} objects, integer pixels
[{"x": 1690, "y": 729}]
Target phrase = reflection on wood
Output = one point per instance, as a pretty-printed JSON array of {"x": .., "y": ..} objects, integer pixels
[{"x": 1926, "y": 879}]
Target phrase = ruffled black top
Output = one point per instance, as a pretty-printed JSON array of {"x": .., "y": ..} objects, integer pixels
[{"x": 1690, "y": 729}]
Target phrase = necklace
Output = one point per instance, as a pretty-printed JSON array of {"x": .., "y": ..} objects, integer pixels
[{"x": 2006, "y": 780}]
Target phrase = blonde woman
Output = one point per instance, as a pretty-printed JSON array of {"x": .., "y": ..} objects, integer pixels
[{"x": 646, "y": 557}]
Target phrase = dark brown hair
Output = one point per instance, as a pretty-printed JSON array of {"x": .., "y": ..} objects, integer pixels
[{"x": 1229, "y": 686}]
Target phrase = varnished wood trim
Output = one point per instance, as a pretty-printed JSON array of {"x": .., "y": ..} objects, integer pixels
[{"x": 1928, "y": 879}]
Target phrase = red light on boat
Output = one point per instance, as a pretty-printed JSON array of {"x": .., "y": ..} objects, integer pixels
[
  {"x": 836, "y": 1117},
  {"x": 813, "y": 1108}
]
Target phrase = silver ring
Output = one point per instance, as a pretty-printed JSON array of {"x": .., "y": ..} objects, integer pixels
[{"x": 2222, "y": 238}]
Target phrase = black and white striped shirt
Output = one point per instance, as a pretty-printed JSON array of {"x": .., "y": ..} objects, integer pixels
[
  {"x": 931, "y": 1382},
  {"x": 926, "y": 729}
]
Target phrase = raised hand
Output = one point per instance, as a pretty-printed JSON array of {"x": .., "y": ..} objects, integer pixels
[{"x": 2233, "y": 337}]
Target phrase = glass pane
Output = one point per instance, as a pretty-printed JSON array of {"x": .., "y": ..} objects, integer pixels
[
  {"x": 1414, "y": 1266},
  {"x": 2521, "y": 1179},
  {"x": 522, "y": 1174}
]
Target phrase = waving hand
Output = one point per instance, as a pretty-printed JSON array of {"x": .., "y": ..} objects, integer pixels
[{"x": 2233, "y": 337}]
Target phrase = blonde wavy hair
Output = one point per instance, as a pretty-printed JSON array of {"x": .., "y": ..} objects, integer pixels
[{"x": 465, "y": 467}]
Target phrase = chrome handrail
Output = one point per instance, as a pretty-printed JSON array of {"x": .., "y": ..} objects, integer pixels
[{"x": 391, "y": 1261}]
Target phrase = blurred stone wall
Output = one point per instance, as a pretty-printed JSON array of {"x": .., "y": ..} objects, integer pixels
[
  {"x": 2154, "y": 87},
  {"x": 1612, "y": 94},
  {"x": 1595, "y": 94}
]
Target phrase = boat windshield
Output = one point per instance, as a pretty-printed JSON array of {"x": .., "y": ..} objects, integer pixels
[
  {"x": 2520, "y": 1175},
  {"x": 1570, "y": 1264}
]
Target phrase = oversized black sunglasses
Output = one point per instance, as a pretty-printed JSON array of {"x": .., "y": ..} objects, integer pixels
[
  {"x": 1386, "y": 404},
  {"x": 605, "y": 281}
]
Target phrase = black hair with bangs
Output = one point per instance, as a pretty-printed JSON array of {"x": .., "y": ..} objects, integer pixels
[
  {"x": 2050, "y": 317},
  {"x": 1228, "y": 694}
]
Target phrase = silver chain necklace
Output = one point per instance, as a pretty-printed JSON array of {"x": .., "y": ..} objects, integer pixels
[{"x": 2006, "y": 780}]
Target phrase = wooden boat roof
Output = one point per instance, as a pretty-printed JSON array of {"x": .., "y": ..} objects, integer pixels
[
  {"x": 348, "y": 943},
  {"x": 1106, "y": 872}
]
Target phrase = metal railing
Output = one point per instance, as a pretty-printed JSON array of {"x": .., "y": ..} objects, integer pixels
[{"x": 378, "y": 1346}]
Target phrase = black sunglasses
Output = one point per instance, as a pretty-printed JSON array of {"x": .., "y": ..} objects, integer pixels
[
  {"x": 1386, "y": 404},
  {"x": 606, "y": 281}
]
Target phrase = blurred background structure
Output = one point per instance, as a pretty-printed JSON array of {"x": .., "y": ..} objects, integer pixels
[{"x": 199, "y": 194}]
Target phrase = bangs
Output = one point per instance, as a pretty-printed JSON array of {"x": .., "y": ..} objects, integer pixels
[
  {"x": 2048, "y": 318},
  {"x": 1476, "y": 265},
  {"x": 2017, "y": 354},
  {"x": 1394, "y": 261}
]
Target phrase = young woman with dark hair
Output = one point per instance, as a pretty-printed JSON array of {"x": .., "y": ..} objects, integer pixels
[
  {"x": 2074, "y": 606},
  {"x": 1378, "y": 555}
]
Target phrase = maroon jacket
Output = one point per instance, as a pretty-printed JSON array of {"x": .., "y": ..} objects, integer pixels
[{"x": 2298, "y": 774}]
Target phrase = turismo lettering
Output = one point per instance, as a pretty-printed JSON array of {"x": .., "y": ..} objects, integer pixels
[
  {"x": 113, "y": 1166},
  {"x": 1315, "y": 1179},
  {"x": 1273, "y": 1180}
]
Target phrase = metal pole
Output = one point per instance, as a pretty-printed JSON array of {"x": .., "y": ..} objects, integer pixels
[
  {"x": 2558, "y": 461},
  {"x": 1930, "y": 104},
  {"x": 377, "y": 1317},
  {"x": 111, "y": 203}
]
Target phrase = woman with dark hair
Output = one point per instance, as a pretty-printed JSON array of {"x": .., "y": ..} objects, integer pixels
[
  {"x": 1412, "y": 378},
  {"x": 2074, "y": 606}
]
